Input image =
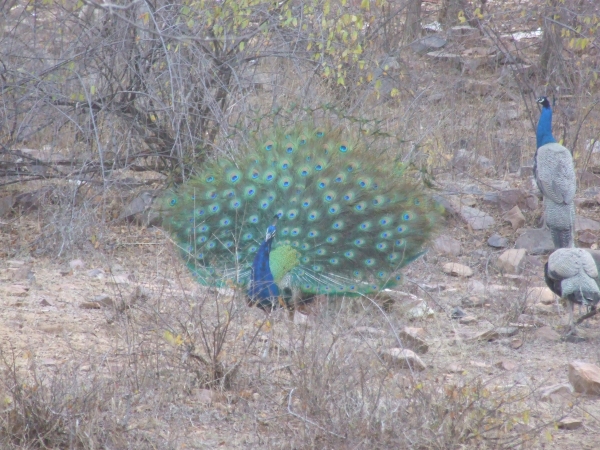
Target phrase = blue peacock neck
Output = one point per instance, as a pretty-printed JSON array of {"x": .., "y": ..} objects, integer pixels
[
  {"x": 263, "y": 290},
  {"x": 544, "y": 127}
]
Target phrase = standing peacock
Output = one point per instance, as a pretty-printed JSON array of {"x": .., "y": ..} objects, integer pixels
[
  {"x": 301, "y": 212},
  {"x": 555, "y": 176},
  {"x": 572, "y": 273}
]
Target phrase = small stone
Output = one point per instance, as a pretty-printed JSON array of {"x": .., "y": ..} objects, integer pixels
[
  {"x": 51, "y": 329},
  {"x": 14, "y": 290},
  {"x": 475, "y": 287},
  {"x": 204, "y": 396},
  {"x": 511, "y": 261},
  {"x": 458, "y": 313},
  {"x": 585, "y": 202},
  {"x": 455, "y": 368},
  {"x": 516, "y": 343},
  {"x": 447, "y": 245},
  {"x": 457, "y": 270},
  {"x": 584, "y": 377},
  {"x": 468, "y": 320},
  {"x": 413, "y": 338},
  {"x": 478, "y": 220},
  {"x": 535, "y": 241},
  {"x": 507, "y": 331},
  {"x": 547, "y": 334},
  {"x": 506, "y": 364},
  {"x": 497, "y": 241},
  {"x": 583, "y": 224},
  {"x": 419, "y": 311},
  {"x": 369, "y": 330},
  {"x": 529, "y": 319},
  {"x": 515, "y": 217},
  {"x": 569, "y": 423},
  {"x": 23, "y": 273},
  {"x": 487, "y": 335},
  {"x": 556, "y": 392},
  {"x": 76, "y": 264},
  {"x": 546, "y": 310},
  {"x": 89, "y": 305},
  {"x": 541, "y": 295},
  {"x": 473, "y": 302},
  {"x": 403, "y": 358},
  {"x": 587, "y": 238},
  {"x": 95, "y": 273}
]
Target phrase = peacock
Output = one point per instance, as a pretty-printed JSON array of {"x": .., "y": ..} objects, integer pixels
[
  {"x": 572, "y": 274},
  {"x": 301, "y": 212},
  {"x": 555, "y": 176}
]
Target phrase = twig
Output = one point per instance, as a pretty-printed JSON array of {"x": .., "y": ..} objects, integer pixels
[{"x": 304, "y": 419}]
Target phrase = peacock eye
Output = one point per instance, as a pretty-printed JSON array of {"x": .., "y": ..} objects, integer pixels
[
  {"x": 173, "y": 202},
  {"x": 290, "y": 149},
  {"x": 343, "y": 148},
  {"x": 210, "y": 179}
]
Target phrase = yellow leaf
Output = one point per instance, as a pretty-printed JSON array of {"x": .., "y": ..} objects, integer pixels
[
  {"x": 93, "y": 90},
  {"x": 242, "y": 46}
]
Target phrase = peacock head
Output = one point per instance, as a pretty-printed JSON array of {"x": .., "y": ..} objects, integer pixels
[
  {"x": 544, "y": 102},
  {"x": 272, "y": 230}
]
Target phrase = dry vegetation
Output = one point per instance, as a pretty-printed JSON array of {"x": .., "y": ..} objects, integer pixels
[{"x": 107, "y": 342}]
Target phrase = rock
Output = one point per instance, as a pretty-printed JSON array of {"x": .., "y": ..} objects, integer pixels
[
  {"x": 14, "y": 290},
  {"x": 516, "y": 343},
  {"x": 419, "y": 311},
  {"x": 458, "y": 313},
  {"x": 506, "y": 364},
  {"x": 587, "y": 238},
  {"x": 546, "y": 310},
  {"x": 506, "y": 331},
  {"x": 428, "y": 44},
  {"x": 447, "y": 245},
  {"x": 205, "y": 396},
  {"x": 76, "y": 264},
  {"x": 442, "y": 56},
  {"x": 475, "y": 287},
  {"x": 136, "y": 208},
  {"x": 413, "y": 338},
  {"x": 535, "y": 241},
  {"x": 457, "y": 270},
  {"x": 585, "y": 224},
  {"x": 497, "y": 241},
  {"x": 468, "y": 320},
  {"x": 511, "y": 261},
  {"x": 541, "y": 295},
  {"x": 547, "y": 334},
  {"x": 487, "y": 335},
  {"x": 515, "y": 217},
  {"x": 485, "y": 163},
  {"x": 95, "y": 273},
  {"x": 556, "y": 392},
  {"x": 23, "y": 273},
  {"x": 472, "y": 189},
  {"x": 569, "y": 423},
  {"x": 478, "y": 220},
  {"x": 455, "y": 368},
  {"x": 584, "y": 377},
  {"x": 369, "y": 330},
  {"x": 510, "y": 198},
  {"x": 473, "y": 302},
  {"x": 585, "y": 202},
  {"x": 403, "y": 358}
]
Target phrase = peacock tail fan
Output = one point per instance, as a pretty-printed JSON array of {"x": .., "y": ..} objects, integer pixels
[{"x": 348, "y": 221}]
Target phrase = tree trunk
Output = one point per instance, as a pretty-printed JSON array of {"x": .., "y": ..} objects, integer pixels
[
  {"x": 412, "y": 25},
  {"x": 450, "y": 12}
]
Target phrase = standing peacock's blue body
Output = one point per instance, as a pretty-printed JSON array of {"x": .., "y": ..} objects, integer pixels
[
  {"x": 347, "y": 219},
  {"x": 555, "y": 176}
]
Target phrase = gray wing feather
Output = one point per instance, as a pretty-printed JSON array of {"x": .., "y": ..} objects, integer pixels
[{"x": 555, "y": 173}]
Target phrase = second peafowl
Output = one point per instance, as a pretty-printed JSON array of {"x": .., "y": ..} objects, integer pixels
[
  {"x": 555, "y": 176},
  {"x": 300, "y": 212},
  {"x": 572, "y": 273}
]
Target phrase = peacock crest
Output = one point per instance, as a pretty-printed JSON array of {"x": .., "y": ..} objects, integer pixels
[{"x": 338, "y": 218}]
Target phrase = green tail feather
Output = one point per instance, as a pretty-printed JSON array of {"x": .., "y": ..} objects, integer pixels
[{"x": 348, "y": 222}]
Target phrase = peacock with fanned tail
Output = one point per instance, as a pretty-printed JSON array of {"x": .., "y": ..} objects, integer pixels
[{"x": 301, "y": 212}]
